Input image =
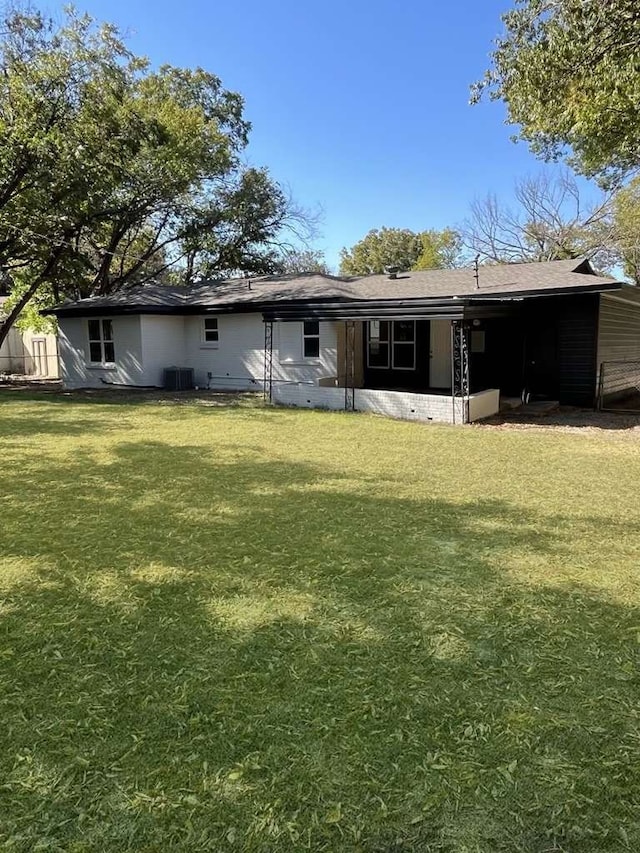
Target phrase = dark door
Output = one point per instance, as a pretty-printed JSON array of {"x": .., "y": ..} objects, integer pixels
[
  {"x": 541, "y": 361},
  {"x": 495, "y": 355}
]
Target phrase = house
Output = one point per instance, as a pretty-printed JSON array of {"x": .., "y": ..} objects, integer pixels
[
  {"x": 28, "y": 353},
  {"x": 442, "y": 345}
]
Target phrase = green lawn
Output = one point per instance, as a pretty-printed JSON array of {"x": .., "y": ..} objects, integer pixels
[{"x": 244, "y": 629}]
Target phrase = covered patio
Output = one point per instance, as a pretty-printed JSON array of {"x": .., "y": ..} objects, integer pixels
[{"x": 409, "y": 361}]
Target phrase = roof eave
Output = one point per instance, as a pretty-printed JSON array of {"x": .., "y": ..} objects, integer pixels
[{"x": 332, "y": 307}]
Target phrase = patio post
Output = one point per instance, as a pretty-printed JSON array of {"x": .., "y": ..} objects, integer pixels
[
  {"x": 267, "y": 384},
  {"x": 349, "y": 366},
  {"x": 459, "y": 367}
]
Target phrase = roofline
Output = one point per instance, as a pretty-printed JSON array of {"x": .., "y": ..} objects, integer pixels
[
  {"x": 449, "y": 307},
  {"x": 548, "y": 291},
  {"x": 341, "y": 308},
  {"x": 76, "y": 309}
]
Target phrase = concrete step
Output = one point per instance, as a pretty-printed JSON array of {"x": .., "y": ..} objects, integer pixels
[
  {"x": 507, "y": 404},
  {"x": 539, "y": 408}
]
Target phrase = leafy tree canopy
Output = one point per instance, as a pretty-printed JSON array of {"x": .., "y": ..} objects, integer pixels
[
  {"x": 569, "y": 74},
  {"x": 383, "y": 248},
  {"x": 626, "y": 224},
  {"x": 111, "y": 173}
]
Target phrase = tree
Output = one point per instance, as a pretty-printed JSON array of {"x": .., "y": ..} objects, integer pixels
[
  {"x": 568, "y": 72},
  {"x": 626, "y": 224},
  {"x": 58, "y": 91},
  {"x": 303, "y": 260},
  {"x": 111, "y": 174},
  {"x": 549, "y": 222},
  {"x": 401, "y": 248},
  {"x": 439, "y": 250},
  {"x": 242, "y": 228}
]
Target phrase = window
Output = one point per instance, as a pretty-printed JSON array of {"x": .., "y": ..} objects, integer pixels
[
  {"x": 391, "y": 344},
  {"x": 404, "y": 345},
  {"x": 311, "y": 339},
  {"x": 378, "y": 344},
  {"x": 101, "y": 349},
  {"x": 210, "y": 330}
]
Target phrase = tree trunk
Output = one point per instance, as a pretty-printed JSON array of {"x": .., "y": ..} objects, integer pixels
[{"x": 7, "y": 323}]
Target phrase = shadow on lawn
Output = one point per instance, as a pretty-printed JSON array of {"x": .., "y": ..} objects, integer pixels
[
  {"x": 220, "y": 653},
  {"x": 130, "y": 396}
]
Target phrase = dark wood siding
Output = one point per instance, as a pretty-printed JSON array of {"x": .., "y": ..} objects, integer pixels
[
  {"x": 551, "y": 350},
  {"x": 577, "y": 349}
]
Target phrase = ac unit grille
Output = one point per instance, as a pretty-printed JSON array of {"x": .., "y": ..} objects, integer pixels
[{"x": 178, "y": 378}]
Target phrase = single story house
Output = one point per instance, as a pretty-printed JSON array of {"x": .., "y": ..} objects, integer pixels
[{"x": 442, "y": 345}]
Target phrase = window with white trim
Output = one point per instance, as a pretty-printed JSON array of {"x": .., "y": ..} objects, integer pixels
[
  {"x": 101, "y": 349},
  {"x": 311, "y": 339},
  {"x": 210, "y": 331}
]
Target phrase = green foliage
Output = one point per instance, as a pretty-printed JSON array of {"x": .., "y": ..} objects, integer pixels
[
  {"x": 569, "y": 74},
  {"x": 626, "y": 218},
  {"x": 235, "y": 229},
  {"x": 371, "y": 636},
  {"x": 401, "y": 248},
  {"x": 439, "y": 250},
  {"x": 31, "y": 317},
  {"x": 111, "y": 173}
]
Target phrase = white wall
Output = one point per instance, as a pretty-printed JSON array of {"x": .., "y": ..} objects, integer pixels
[
  {"x": 76, "y": 369},
  {"x": 145, "y": 345},
  {"x": 484, "y": 404},
  {"x": 293, "y": 366},
  {"x": 439, "y": 408},
  {"x": 236, "y": 361},
  {"x": 163, "y": 345}
]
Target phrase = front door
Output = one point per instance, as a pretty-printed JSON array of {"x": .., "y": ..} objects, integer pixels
[{"x": 440, "y": 354}]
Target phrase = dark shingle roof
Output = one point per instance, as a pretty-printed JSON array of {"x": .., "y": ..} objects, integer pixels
[{"x": 495, "y": 281}]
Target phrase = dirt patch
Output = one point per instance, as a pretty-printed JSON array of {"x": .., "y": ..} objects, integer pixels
[{"x": 567, "y": 419}]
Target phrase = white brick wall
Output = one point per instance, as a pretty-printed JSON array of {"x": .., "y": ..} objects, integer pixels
[
  {"x": 145, "y": 345},
  {"x": 76, "y": 369},
  {"x": 237, "y": 361},
  {"x": 163, "y": 346},
  {"x": 394, "y": 404}
]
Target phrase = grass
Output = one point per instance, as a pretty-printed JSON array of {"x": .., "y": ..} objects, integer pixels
[{"x": 255, "y": 630}]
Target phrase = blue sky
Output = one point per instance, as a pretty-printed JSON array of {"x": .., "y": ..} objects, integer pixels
[{"x": 361, "y": 108}]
